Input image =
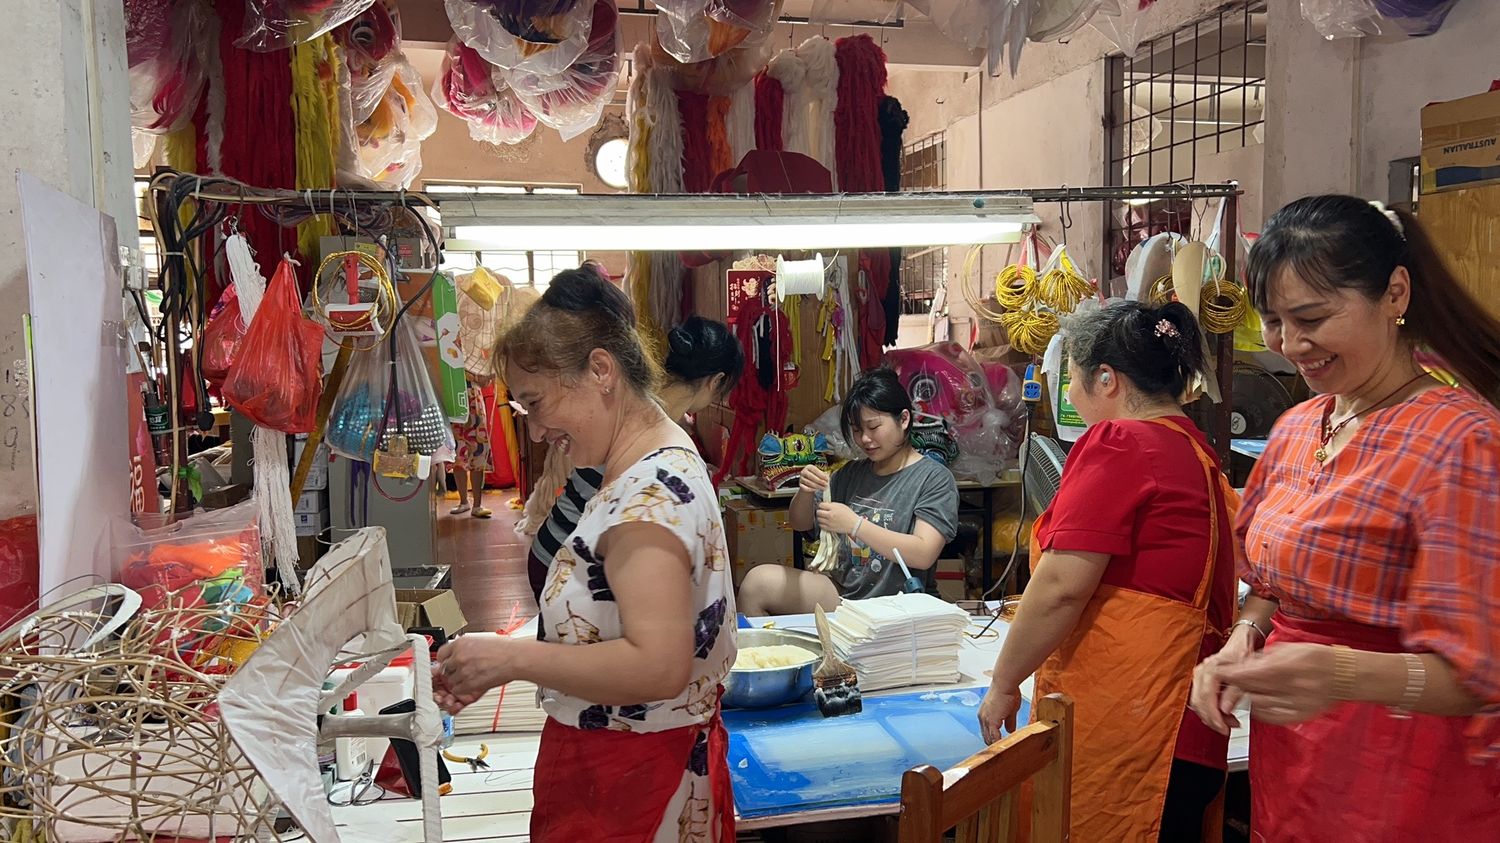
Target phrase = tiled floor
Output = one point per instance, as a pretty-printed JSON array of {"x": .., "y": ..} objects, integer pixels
[{"x": 489, "y": 561}]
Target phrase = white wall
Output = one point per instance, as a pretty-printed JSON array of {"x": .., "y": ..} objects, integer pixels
[
  {"x": 76, "y": 140},
  {"x": 1397, "y": 76}
]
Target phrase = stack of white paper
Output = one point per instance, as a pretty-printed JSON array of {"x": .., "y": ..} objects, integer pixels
[{"x": 902, "y": 640}]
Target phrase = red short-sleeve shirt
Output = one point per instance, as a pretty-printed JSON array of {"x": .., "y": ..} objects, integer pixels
[{"x": 1135, "y": 490}]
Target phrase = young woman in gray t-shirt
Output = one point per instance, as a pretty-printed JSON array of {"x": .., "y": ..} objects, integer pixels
[{"x": 895, "y": 499}]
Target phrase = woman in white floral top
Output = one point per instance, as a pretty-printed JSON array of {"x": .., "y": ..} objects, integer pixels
[{"x": 637, "y": 624}]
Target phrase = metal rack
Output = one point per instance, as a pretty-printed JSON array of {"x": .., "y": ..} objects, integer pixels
[{"x": 1218, "y": 417}]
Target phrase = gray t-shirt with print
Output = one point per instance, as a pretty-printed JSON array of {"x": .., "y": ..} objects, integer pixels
[{"x": 925, "y": 490}]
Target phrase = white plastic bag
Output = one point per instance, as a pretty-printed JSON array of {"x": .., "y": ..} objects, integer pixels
[
  {"x": 272, "y": 25},
  {"x": 475, "y": 91},
  {"x": 698, "y": 30},
  {"x": 573, "y": 101},
  {"x": 536, "y": 36}
]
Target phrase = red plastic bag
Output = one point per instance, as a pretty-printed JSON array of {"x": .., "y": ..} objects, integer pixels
[
  {"x": 276, "y": 377},
  {"x": 20, "y": 568},
  {"x": 221, "y": 337}
]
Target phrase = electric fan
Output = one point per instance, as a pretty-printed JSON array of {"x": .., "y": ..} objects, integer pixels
[{"x": 1043, "y": 460}]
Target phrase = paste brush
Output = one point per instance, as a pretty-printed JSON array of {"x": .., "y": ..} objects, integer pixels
[{"x": 835, "y": 684}]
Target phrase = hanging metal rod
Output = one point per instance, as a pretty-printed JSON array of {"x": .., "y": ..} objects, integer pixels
[{"x": 1114, "y": 194}]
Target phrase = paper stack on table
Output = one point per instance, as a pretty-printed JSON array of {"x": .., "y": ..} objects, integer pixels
[
  {"x": 517, "y": 708},
  {"x": 902, "y": 640}
]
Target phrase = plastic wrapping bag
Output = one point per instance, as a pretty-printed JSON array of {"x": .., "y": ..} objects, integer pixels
[
  {"x": 372, "y": 53},
  {"x": 944, "y": 380},
  {"x": 1057, "y": 19},
  {"x": 533, "y": 36},
  {"x": 222, "y": 337},
  {"x": 830, "y": 426},
  {"x": 573, "y": 101},
  {"x": 387, "y": 395},
  {"x": 276, "y": 378},
  {"x": 698, "y": 30},
  {"x": 475, "y": 91},
  {"x": 1120, "y": 22},
  {"x": 164, "y": 49},
  {"x": 718, "y": 77},
  {"x": 390, "y": 141},
  {"x": 277, "y": 24},
  {"x": 218, "y": 552},
  {"x": 1416, "y": 17},
  {"x": 855, "y": 11},
  {"x": 1358, "y": 18}
]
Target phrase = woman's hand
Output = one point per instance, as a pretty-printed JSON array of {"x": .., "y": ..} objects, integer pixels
[
  {"x": 469, "y": 666},
  {"x": 837, "y": 518},
  {"x": 1211, "y": 698},
  {"x": 812, "y": 480},
  {"x": 1287, "y": 683},
  {"x": 999, "y": 709}
]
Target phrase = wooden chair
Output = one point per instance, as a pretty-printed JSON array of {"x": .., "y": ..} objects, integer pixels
[{"x": 981, "y": 797}]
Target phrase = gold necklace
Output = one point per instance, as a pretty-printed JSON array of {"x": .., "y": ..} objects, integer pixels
[{"x": 1330, "y": 432}]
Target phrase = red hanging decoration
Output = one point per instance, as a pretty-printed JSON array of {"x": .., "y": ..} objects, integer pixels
[
  {"x": 697, "y": 156},
  {"x": 765, "y": 335},
  {"x": 259, "y": 129},
  {"x": 720, "y": 154},
  {"x": 857, "y": 139},
  {"x": 770, "y": 99}
]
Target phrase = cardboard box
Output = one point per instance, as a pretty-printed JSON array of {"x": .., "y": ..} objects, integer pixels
[
  {"x": 1461, "y": 143},
  {"x": 312, "y": 502},
  {"x": 951, "y": 575},
  {"x": 317, "y": 478},
  {"x": 311, "y": 523},
  {"x": 756, "y": 535},
  {"x": 429, "y": 607},
  {"x": 309, "y": 550}
]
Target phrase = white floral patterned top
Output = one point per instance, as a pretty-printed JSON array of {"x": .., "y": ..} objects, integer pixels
[{"x": 670, "y": 487}]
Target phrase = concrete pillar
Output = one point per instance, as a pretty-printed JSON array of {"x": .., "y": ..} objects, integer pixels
[
  {"x": 65, "y": 92},
  {"x": 1313, "y": 123}
]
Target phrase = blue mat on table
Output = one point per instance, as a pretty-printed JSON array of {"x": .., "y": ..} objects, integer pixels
[{"x": 791, "y": 759}]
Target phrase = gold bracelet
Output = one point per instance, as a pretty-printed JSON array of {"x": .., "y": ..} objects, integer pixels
[
  {"x": 1344, "y": 663},
  {"x": 1416, "y": 683}
]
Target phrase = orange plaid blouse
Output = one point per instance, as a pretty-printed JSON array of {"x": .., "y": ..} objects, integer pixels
[{"x": 1401, "y": 529}]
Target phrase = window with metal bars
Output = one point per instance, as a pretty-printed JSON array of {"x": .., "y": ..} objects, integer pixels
[
  {"x": 924, "y": 166},
  {"x": 521, "y": 267},
  {"x": 1181, "y": 101}
]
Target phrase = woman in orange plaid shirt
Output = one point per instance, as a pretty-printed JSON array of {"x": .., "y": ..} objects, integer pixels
[{"x": 1371, "y": 531}]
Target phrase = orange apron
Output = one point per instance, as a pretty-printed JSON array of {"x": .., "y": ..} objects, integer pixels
[{"x": 1128, "y": 665}]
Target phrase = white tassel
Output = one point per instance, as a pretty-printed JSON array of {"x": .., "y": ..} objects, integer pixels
[
  {"x": 273, "y": 478},
  {"x": 788, "y": 69},
  {"x": 829, "y": 544},
  {"x": 665, "y": 160},
  {"x": 821, "y": 93},
  {"x": 741, "y": 122},
  {"x": 217, "y": 98}
]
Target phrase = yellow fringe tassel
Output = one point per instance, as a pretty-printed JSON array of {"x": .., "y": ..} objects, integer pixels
[{"x": 315, "y": 107}]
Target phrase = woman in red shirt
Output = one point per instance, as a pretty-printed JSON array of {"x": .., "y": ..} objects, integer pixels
[{"x": 1133, "y": 580}]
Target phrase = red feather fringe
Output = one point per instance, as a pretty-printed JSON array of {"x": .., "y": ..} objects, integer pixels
[
  {"x": 770, "y": 98},
  {"x": 862, "y": 78},
  {"x": 697, "y": 154},
  {"x": 260, "y": 130}
]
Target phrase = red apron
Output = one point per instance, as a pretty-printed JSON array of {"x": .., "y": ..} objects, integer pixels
[
  {"x": 1360, "y": 773},
  {"x": 1128, "y": 665},
  {"x": 607, "y": 786}
]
